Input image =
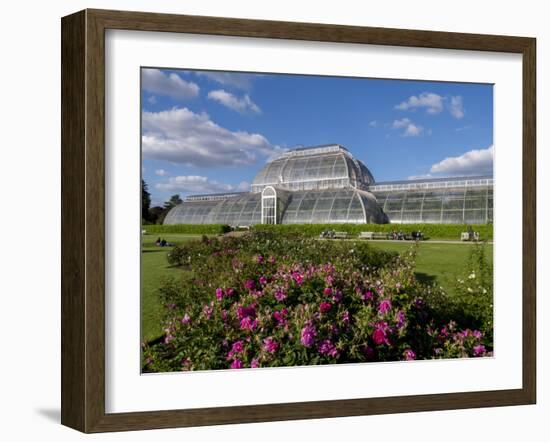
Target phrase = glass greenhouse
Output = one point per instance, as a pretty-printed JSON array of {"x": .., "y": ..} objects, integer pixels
[
  {"x": 326, "y": 184},
  {"x": 443, "y": 201}
]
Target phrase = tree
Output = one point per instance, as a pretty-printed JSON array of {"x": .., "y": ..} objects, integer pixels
[
  {"x": 157, "y": 214},
  {"x": 145, "y": 201},
  {"x": 173, "y": 201}
]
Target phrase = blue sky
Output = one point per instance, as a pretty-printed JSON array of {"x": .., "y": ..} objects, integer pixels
[{"x": 207, "y": 132}]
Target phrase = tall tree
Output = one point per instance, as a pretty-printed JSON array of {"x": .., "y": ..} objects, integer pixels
[
  {"x": 157, "y": 214},
  {"x": 145, "y": 201},
  {"x": 173, "y": 201}
]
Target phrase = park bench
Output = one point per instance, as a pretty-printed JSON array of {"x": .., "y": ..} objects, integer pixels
[
  {"x": 331, "y": 234},
  {"x": 340, "y": 235},
  {"x": 469, "y": 236},
  {"x": 373, "y": 235}
]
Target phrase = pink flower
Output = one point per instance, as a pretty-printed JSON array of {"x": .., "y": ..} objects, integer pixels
[
  {"x": 230, "y": 292},
  {"x": 280, "y": 295},
  {"x": 400, "y": 318},
  {"x": 345, "y": 317},
  {"x": 263, "y": 280},
  {"x": 270, "y": 345},
  {"x": 259, "y": 259},
  {"x": 307, "y": 335},
  {"x": 379, "y": 336},
  {"x": 237, "y": 363},
  {"x": 477, "y": 334},
  {"x": 479, "y": 350},
  {"x": 207, "y": 311},
  {"x": 325, "y": 307},
  {"x": 186, "y": 319},
  {"x": 249, "y": 284},
  {"x": 409, "y": 355},
  {"x": 168, "y": 339},
  {"x": 247, "y": 323},
  {"x": 298, "y": 278},
  {"x": 327, "y": 291},
  {"x": 337, "y": 296},
  {"x": 219, "y": 294},
  {"x": 271, "y": 259},
  {"x": 326, "y": 347},
  {"x": 243, "y": 312},
  {"x": 236, "y": 349},
  {"x": 279, "y": 316},
  {"x": 367, "y": 295},
  {"x": 254, "y": 363},
  {"x": 385, "y": 306}
]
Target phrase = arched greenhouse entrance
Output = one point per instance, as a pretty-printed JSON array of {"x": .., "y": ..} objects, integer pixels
[{"x": 269, "y": 205}]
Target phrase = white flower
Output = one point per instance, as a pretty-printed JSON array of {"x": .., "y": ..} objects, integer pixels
[{"x": 472, "y": 275}]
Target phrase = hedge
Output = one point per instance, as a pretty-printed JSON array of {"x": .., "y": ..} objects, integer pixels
[
  {"x": 200, "y": 229},
  {"x": 430, "y": 231}
]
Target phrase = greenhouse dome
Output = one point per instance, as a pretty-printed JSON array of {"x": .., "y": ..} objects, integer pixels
[
  {"x": 326, "y": 184},
  {"x": 314, "y": 168}
]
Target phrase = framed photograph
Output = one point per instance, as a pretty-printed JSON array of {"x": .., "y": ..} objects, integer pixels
[{"x": 266, "y": 221}]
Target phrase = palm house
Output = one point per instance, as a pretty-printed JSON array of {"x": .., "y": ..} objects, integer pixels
[{"x": 326, "y": 184}]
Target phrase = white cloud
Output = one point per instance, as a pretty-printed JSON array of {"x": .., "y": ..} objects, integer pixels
[
  {"x": 398, "y": 124},
  {"x": 433, "y": 103},
  {"x": 152, "y": 99},
  {"x": 181, "y": 136},
  {"x": 473, "y": 162},
  {"x": 456, "y": 108},
  {"x": 198, "y": 184},
  {"x": 242, "y": 105},
  {"x": 409, "y": 128},
  {"x": 171, "y": 85},
  {"x": 161, "y": 172},
  {"x": 373, "y": 123},
  {"x": 233, "y": 79}
]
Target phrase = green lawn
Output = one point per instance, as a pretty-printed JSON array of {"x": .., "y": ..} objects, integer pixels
[
  {"x": 154, "y": 268},
  {"x": 436, "y": 262}
]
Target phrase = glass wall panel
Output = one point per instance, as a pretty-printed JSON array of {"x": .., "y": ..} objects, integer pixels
[
  {"x": 446, "y": 205},
  {"x": 432, "y": 216}
]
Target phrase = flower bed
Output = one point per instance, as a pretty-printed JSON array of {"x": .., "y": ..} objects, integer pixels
[{"x": 264, "y": 301}]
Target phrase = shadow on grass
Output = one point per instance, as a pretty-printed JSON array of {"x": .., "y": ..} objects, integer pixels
[
  {"x": 154, "y": 251},
  {"x": 425, "y": 278}
]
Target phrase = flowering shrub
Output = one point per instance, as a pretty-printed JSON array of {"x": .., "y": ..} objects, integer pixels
[
  {"x": 265, "y": 301},
  {"x": 471, "y": 301}
]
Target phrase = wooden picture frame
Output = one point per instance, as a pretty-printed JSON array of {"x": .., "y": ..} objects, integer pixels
[{"x": 83, "y": 219}]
